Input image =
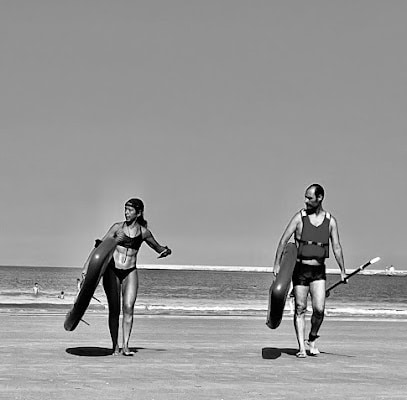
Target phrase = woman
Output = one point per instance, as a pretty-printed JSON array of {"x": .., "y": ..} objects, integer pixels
[{"x": 120, "y": 277}]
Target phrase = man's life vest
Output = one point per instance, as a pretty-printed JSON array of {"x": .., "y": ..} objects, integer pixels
[{"x": 314, "y": 241}]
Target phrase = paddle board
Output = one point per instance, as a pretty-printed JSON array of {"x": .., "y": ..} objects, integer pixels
[
  {"x": 279, "y": 288},
  {"x": 98, "y": 261}
]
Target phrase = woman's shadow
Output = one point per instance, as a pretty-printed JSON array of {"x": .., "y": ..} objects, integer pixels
[{"x": 91, "y": 351}]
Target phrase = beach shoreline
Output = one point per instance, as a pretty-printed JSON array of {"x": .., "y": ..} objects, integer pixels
[
  {"x": 190, "y": 357},
  {"x": 223, "y": 268},
  {"x": 335, "y": 315}
]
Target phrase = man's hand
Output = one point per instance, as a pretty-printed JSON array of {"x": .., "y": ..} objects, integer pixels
[
  {"x": 82, "y": 278},
  {"x": 273, "y": 278}
]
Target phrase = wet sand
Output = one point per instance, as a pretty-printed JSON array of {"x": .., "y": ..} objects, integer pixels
[{"x": 199, "y": 358}]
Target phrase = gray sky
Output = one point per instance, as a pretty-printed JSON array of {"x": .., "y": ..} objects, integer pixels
[{"x": 218, "y": 114}]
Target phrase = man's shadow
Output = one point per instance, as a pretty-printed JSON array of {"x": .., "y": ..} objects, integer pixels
[
  {"x": 100, "y": 351},
  {"x": 272, "y": 353}
]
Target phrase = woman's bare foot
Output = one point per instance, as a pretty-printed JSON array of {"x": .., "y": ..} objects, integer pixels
[
  {"x": 301, "y": 354},
  {"x": 116, "y": 351}
]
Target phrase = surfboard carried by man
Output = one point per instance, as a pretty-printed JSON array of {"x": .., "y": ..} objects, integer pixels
[{"x": 313, "y": 228}]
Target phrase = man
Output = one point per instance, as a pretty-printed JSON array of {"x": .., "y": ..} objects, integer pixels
[{"x": 312, "y": 227}]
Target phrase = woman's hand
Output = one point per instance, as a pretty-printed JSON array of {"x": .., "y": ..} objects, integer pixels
[
  {"x": 119, "y": 235},
  {"x": 166, "y": 252}
]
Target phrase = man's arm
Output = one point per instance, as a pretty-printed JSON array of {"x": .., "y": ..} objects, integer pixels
[
  {"x": 291, "y": 227},
  {"x": 336, "y": 247}
]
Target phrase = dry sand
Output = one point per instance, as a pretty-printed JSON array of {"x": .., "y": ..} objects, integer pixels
[{"x": 199, "y": 358}]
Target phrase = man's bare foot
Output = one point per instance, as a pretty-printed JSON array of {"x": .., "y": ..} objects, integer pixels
[
  {"x": 126, "y": 352},
  {"x": 313, "y": 350},
  {"x": 116, "y": 351},
  {"x": 301, "y": 354}
]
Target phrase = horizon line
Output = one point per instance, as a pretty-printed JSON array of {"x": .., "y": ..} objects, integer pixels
[{"x": 222, "y": 268}]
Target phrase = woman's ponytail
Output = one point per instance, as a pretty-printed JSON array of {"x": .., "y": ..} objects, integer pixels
[{"x": 141, "y": 220}]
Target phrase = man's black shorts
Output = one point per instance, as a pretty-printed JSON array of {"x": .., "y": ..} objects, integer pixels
[{"x": 304, "y": 274}]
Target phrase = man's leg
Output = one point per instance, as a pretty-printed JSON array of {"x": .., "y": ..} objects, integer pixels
[
  {"x": 317, "y": 290},
  {"x": 300, "y": 296}
]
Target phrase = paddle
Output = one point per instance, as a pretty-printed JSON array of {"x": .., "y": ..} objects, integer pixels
[
  {"x": 361, "y": 268},
  {"x": 82, "y": 320},
  {"x": 96, "y": 299}
]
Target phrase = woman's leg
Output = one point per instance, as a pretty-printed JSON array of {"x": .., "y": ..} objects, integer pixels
[
  {"x": 111, "y": 284},
  {"x": 129, "y": 288}
]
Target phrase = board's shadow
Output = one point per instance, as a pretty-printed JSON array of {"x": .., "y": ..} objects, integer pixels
[
  {"x": 271, "y": 353},
  {"x": 91, "y": 351}
]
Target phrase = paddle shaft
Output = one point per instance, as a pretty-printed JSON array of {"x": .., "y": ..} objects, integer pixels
[
  {"x": 96, "y": 299},
  {"x": 347, "y": 277}
]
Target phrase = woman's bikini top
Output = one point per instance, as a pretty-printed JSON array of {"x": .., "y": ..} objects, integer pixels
[{"x": 131, "y": 242}]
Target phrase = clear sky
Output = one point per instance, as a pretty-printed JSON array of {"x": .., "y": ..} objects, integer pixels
[{"x": 218, "y": 114}]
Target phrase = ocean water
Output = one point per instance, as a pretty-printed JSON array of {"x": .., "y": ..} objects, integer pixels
[{"x": 199, "y": 292}]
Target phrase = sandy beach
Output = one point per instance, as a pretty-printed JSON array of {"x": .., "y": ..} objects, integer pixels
[{"x": 199, "y": 358}]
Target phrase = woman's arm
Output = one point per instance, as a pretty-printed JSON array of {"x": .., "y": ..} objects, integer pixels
[
  {"x": 148, "y": 237},
  {"x": 109, "y": 234}
]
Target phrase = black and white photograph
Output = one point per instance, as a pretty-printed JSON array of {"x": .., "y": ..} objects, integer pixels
[{"x": 195, "y": 199}]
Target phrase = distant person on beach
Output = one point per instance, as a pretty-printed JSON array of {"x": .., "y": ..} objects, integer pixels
[
  {"x": 36, "y": 289},
  {"x": 61, "y": 295},
  {"x": 313, "y": 228},
  {"x": 121, "y": 278}
]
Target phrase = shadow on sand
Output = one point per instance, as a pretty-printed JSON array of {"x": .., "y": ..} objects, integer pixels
[
  {"x": 271, "y": 353},
  {"x": 100, "y": 351}
]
